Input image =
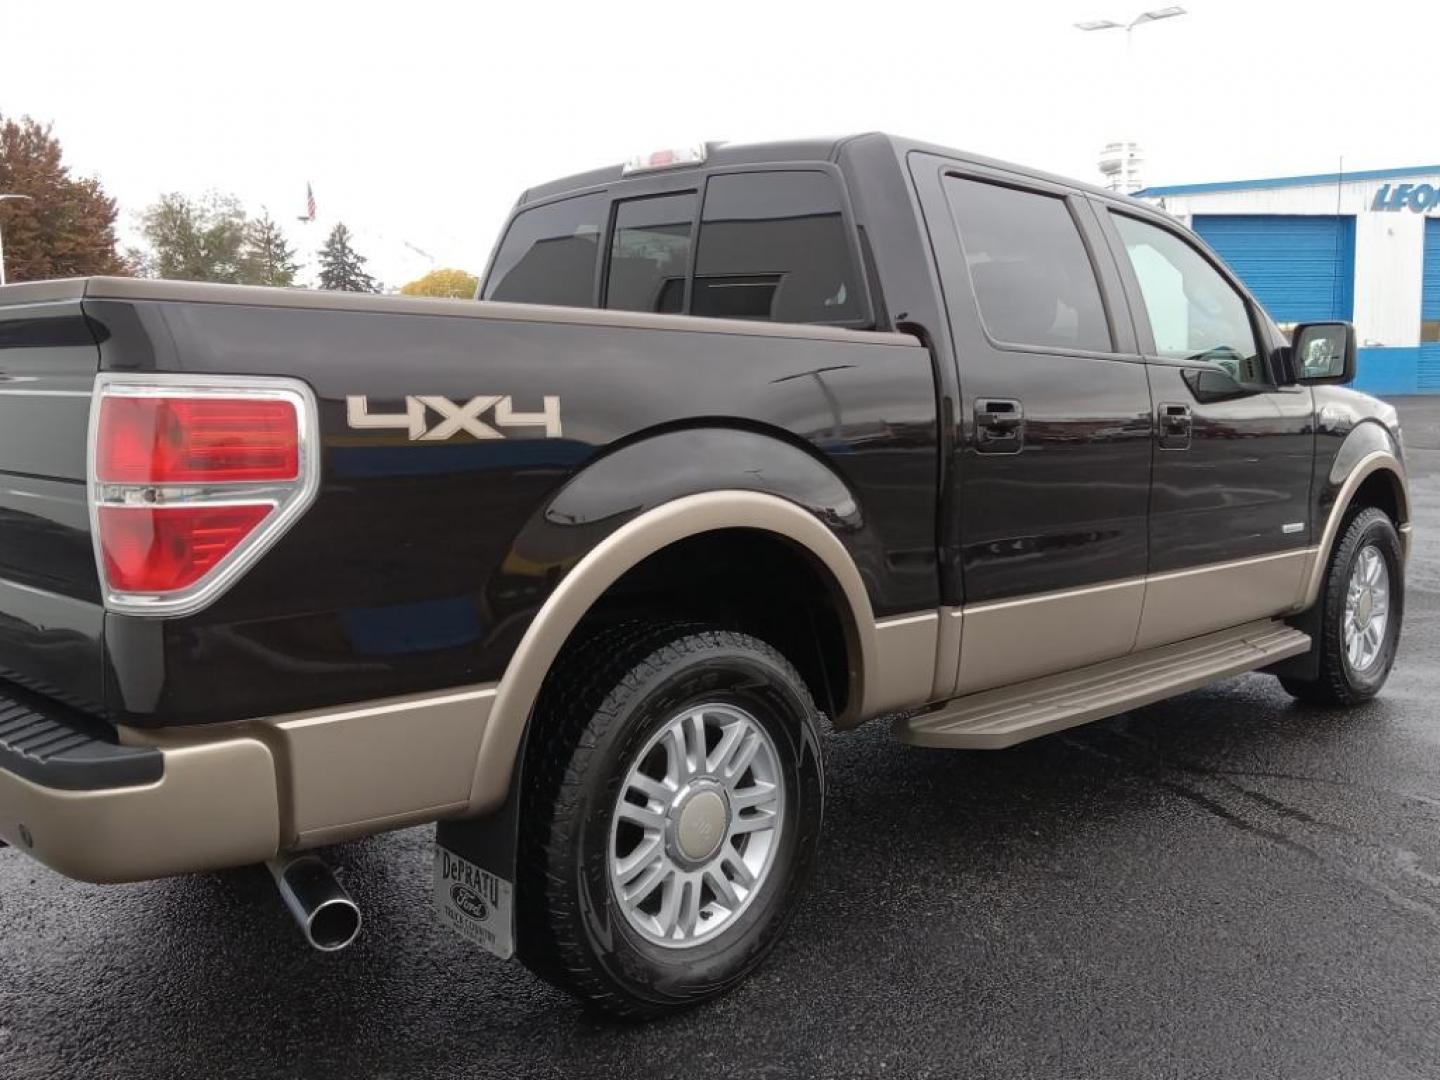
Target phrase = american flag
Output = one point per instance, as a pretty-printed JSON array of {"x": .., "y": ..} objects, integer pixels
[{"x": 309, "y": 214}]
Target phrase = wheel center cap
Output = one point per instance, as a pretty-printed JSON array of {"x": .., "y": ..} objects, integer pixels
[
  {"x": 700, "y": 825},
  {"x": 1365, "y": 608}
]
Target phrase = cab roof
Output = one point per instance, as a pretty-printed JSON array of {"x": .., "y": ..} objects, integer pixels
[{"x": 719, "y": 154}]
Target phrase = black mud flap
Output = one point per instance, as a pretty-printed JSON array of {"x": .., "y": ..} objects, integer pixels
[
  {"x": 475, "y": 874},
  {"x": 1307, "y": 664}
]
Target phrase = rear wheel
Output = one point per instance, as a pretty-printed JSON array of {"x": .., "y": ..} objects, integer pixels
[
  {"x": 673, "y": 798},
  {"x": 1363, "y": 599}
]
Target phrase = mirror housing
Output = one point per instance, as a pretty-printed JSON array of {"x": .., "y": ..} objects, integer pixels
[{"x": 1322, "y": 352}]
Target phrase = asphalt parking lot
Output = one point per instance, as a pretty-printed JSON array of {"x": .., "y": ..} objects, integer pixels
[{"x": 1225, "y": 884}]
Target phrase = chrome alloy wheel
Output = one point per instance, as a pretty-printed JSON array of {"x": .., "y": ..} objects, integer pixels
[
  {"x": 1367, "y": 609},
  {"x": 696, "y": 825}
]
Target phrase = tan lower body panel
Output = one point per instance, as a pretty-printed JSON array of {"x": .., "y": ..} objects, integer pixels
[
  {"x": 1187, "y": 603},
  {"x": 947, "y": 654},
  {"x": 1011, "y": 640},
  {"x": 379, "y": 767},
  {"x": 240, "y": 793},
  {"x": 1012, "y": 714},
  {"x": 905, "y": 663}
]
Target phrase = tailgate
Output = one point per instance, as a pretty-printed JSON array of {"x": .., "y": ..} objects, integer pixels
[{"x": 51, "y": 618}]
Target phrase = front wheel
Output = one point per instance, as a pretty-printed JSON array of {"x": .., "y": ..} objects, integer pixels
[
  {"x": 1363, "y": 599},
  {"x": 673, "y": 798}
]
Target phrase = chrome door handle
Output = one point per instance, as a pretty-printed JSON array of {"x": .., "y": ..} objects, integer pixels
[
  {"x": 1175, "y": 424},
  {"x": 999, "y": 425}
]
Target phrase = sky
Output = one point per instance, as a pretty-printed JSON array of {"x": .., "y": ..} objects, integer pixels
[{"x": 418, "y": 124}]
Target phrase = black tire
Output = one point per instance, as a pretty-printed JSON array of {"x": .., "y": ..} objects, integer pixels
[
  {"x": 601, "y": 707},
  {"x": 1337, "y": 682}
]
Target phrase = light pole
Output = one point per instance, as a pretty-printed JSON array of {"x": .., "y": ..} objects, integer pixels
[
  {"x": 1154, "y": 15},
  {"x": 2, "y": 236}
]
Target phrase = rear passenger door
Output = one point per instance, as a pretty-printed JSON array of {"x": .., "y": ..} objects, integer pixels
[
  {"x": 1054, "y": 468},
  {"x": 1229, "y": 517}
]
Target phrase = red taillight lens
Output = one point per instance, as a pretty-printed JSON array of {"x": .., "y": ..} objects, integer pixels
[
  {"x": 162, "y": 549},
  {"x": 192, "y": 478},
  {"x": 164, "y": 440}
]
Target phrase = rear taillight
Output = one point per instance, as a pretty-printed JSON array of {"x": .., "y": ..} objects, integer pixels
[{"x": 191, "y": 478}]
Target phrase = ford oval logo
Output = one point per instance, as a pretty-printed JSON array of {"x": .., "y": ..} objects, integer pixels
[{"x": 469, "y": 901}]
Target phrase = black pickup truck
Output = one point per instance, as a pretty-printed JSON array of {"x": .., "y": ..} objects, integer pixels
[{"x": 736, "y": 438}]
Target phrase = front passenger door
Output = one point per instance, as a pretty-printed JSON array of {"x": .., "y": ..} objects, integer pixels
[
  {"x": 1053, "y": 473},
  {"x": 1233, "y": 451}
]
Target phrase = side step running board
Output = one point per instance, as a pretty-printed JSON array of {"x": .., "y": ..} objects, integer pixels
[{"x": 995, "y": 719}]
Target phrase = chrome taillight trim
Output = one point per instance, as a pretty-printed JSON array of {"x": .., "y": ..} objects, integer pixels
[{"x": 289, "y": 499}]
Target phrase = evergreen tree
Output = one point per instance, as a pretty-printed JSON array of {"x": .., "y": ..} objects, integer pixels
[
  {"x": 195, "y": 240},
  {"x": 67, "y": 226},
  {"x": 267, "y": 258},
  {"x": 342, "y": 268}
]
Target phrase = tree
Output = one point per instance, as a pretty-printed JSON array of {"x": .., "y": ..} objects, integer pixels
[
  {"x": 267, "y": 257},
  {"x": 342, "y": 268},
  {"x": 67, "y": 227},
  {"x": 195, "y": 240},
  {"x": 452, "y": 284}
]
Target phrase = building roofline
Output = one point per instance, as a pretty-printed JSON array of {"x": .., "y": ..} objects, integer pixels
[{"x": 1313, "y": 180}]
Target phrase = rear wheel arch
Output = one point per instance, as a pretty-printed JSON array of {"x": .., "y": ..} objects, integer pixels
[{"x": 607, "y": 564}]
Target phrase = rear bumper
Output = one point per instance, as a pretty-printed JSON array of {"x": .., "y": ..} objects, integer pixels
[
  {"x": 99, "y": 811},
  {"x": 152, "y": 804}
]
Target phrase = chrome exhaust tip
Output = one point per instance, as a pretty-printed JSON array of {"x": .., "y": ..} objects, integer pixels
[{"x": 327, "y": 916}]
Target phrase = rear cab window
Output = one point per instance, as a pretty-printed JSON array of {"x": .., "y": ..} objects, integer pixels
[
  {"x": 550, "y": 254},
  {"x": 768, "y": 245}
]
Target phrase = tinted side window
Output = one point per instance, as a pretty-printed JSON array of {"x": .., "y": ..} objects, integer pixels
[
  {"x": 650, "y": 253},
  {"x": 1194, "y": 313},
  {"x": 550, "y": 253},
  {"x": 773, "y": 246},
  {"x": 1033, "y": 279}
]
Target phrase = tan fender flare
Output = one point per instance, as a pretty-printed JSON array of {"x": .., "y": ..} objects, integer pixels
[
  {"x": 1373, "y": 462},
  {"x": 623, "y": 549}
]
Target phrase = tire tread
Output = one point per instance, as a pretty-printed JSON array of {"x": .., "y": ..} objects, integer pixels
[
  {"x": 581, "y": 700},
  {"x": 1332, "y": 685}
]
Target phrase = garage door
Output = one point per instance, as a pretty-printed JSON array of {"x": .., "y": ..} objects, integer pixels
[
  {"x": 1301, "y": 268},
  {"x": 1430, "y": 309}
]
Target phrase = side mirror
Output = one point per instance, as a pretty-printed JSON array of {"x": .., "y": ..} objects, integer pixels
[{"x": 1323, "y": 352}]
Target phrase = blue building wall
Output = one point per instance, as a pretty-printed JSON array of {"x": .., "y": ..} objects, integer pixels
[
  {"x": 1415, "y": 370},
  {"x": 1301, "y": 267},
  {"x": 1429, "y": 372},
  {"x": 1390, "y": 372}
]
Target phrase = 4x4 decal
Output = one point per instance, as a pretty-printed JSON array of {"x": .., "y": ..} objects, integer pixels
[{"x": 453, "y": 418}]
